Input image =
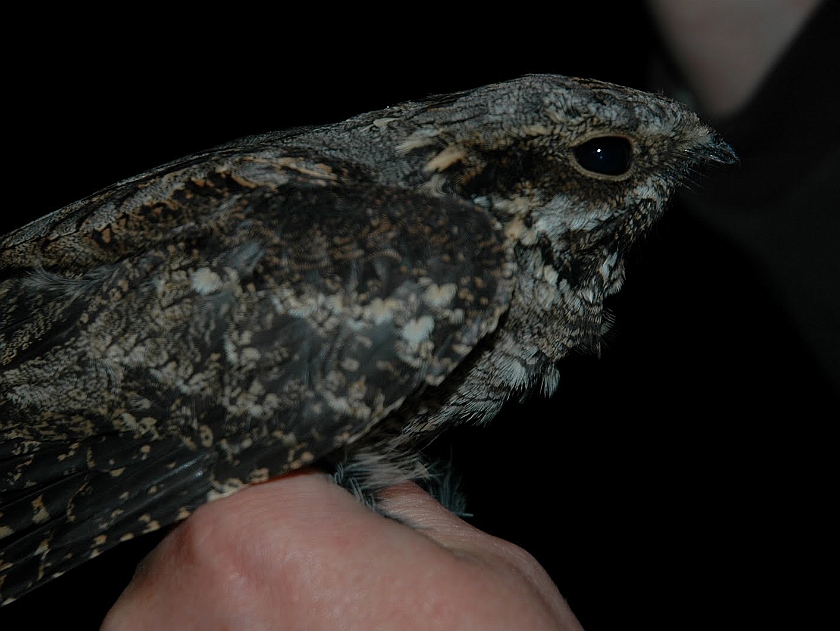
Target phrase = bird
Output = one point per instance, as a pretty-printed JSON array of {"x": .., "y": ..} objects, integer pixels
[{"x": 332, "y": 296}]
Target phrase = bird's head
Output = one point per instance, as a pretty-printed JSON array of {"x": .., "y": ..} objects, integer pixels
[{"x": 577, "y": 168}]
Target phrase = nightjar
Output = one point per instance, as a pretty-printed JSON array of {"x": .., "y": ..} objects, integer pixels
[{"x": 331, "y": 296}]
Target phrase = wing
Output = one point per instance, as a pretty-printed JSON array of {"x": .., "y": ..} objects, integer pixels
[{"x": 212, "y": 324}]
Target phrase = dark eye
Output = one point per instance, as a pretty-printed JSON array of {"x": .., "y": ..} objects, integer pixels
[{"x": 607, "y": 155}]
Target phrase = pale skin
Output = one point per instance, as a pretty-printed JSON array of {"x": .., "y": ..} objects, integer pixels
[
  {"x": 302, "y": 553},
  {"x": 725, "y": 48}
]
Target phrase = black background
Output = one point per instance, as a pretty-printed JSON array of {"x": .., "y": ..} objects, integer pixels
[{"x": 670, "y": 483}]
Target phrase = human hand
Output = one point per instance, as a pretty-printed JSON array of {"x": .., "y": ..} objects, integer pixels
[{"x": 302, "y": 553}]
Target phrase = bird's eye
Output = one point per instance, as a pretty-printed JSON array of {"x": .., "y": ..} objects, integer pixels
[{"x": 605, "y": 155}]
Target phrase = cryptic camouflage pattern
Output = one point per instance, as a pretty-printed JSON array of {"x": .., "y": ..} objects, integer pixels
[{"x": 341, "y": 292}]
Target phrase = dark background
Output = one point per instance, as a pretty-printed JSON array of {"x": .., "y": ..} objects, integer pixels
[{"x": 674, "y": 482}]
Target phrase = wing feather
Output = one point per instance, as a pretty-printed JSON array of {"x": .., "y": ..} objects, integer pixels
[{"x": 212, "y": 324}]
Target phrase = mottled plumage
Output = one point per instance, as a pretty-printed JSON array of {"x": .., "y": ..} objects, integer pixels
[{"x": 337, "y": 295}]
